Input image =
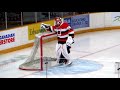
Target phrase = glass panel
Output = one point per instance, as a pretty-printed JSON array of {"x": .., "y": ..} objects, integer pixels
[
  {"x": 28, "y": 17},
  {"x": 2, "y": 21},
  {"x": 67, "y": 14},
  {"x": 13, "y": 19},
  {"x": 41, "y": 16},
  {"x": 55, "y": 14}
]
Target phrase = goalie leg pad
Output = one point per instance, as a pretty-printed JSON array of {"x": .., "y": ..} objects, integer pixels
[
  {"x": 62, "y": 53},
  {"x": 58, "y": 51},
  {"x": 65, "y": 53},
  {"x": 62, "y": 59}
]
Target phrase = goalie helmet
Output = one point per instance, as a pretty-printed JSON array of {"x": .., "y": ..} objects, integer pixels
[{"x": 58, "y": 21}]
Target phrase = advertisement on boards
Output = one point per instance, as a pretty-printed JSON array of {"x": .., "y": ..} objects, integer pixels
[
  {"x": 115, "y": 18},
  {"x": 34, "y": 29},
  {"x": 7, "y": 38},
  {"x": 13, "y": 37},
  {"x": 68, "y": 20},
  {"x": 80, "y": 21}
]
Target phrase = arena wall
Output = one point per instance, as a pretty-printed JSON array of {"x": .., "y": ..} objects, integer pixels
[{"x": 23, "y": 37}]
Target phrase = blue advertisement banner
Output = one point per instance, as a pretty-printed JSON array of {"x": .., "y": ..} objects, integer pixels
[
  {"x": 80, "y": 21},
  {"x": 68, "y": 20}
]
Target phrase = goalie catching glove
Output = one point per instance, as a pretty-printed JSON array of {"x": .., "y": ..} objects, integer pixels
[{"x": 45, "y": 26}]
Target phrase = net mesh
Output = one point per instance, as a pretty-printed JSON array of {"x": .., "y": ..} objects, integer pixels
[{"x": 41, "y": 53}]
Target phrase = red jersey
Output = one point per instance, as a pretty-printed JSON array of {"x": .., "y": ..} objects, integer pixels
[{"x": 63, "y": 31}]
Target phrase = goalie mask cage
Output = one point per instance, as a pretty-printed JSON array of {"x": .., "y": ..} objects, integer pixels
[{"x": 41, "y": 52}]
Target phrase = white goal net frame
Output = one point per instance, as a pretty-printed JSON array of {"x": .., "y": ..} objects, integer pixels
[{"x": 33, "y": 63}]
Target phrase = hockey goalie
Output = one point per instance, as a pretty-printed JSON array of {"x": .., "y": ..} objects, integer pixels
[{"x": 65, "y": 35}]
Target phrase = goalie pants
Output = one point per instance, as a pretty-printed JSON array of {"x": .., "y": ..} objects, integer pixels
[{"x": 62, "y": 49}]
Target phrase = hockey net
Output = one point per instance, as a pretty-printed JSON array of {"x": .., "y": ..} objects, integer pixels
[{"x": 41, "y": 53}]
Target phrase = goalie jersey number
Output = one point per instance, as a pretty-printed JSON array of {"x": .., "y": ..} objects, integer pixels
[{"x": 59, "y": 33}]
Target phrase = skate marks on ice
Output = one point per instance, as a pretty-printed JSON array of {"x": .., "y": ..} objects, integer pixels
[
  {"x": 10, "y": 67},
  {"x": 78, "y": 66},
  {"x": 14, "y": 59}
]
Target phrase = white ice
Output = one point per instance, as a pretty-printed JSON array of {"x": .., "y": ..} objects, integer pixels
[{"x": 101, "y": 46}]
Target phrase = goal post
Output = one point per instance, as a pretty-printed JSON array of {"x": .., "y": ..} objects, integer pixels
[
  {"x": 41, "y": 52},
  {"x": 41, "y": 48}
]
